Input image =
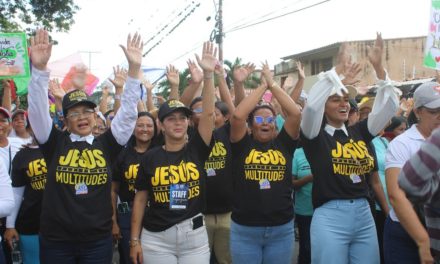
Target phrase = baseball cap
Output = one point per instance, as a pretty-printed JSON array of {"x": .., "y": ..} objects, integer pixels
[
  {"x": 366, "y": 102},
  {"x": 74, "y": 98},
  {"x": 18, "y": 111},
  {"x": 427, "y": 95},
  {"x": 5, "y": 112},
  {"x": 172, "y": 106}
]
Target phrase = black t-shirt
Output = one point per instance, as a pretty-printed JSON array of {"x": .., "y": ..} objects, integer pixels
[
  {"x": 218, "y": 169},
  {"x": 77, "y": 200},
  {"x": 29, "y": 171},
  {"x": 262, "y": 181},
  {"x": 339, "y": 164},
  {"x": 125, "y": 171},
  {"x": 175, "y": 182}
]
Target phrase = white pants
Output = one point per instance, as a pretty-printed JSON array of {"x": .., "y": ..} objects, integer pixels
[{"x": 178, "y": 244}]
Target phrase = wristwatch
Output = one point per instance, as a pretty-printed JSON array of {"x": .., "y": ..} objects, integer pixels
[{"x": 133, "y": 242}]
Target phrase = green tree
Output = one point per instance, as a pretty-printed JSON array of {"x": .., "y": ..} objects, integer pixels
[
  {"x": 252, "y": 81},
  {"x": 20, "y": 15},
  {"x": 164, "y": 86}
]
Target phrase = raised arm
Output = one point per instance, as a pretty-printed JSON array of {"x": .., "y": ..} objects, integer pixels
[
  {"x": 293, "y": 114},
  {"x": 386, "y": 102},
  {"x": 329, "y": 82},
  {"x": 120, "y": 76},
  {"x": 196, "y": 79},
  {"x": 242, "y": 111},
  {"x": 123, "y": 124},
  {"x": 296, "y": 92},
  {"x": 240, "y": 74},
  {"x": 225, "y": 95},
  {"x": 174, "y": 80},
  {"x": 38, "y": 104},
  {"x": 207, "y": 63},
  {"x": 6, "y": 100},
  {"x": 103, "y": 105}
]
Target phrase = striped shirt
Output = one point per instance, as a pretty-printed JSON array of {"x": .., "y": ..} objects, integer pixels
[{"x": 420, "y": 178}]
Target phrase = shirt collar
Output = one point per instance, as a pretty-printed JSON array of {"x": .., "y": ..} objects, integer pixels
[
  {"x": 414, "y": 133},
  {"x": 89, "y": 138},
  {"x": 331, "y": 129}
]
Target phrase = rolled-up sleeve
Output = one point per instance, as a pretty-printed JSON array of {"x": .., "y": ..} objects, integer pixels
[
  {"x": 384, "y": 107},
  {"x": 125, "y": 119},
  {"x": 38, "y": 105}
]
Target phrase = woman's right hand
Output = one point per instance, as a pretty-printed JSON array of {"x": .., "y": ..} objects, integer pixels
[
  {"x": 136, "y": 253},
  {"x": 10, "y": 235}
]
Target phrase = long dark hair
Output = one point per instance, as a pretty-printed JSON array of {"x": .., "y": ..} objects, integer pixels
[{"x": 132, "y": 141}]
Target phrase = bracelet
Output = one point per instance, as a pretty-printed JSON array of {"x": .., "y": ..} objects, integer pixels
[
  {"x": 117, "y": 97},
  {"x": 133, "y": 242}
]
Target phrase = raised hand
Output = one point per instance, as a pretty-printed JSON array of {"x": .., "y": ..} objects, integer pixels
[
  {"x": 40, "y": 49},
  {"x": 56, "y": 90},
  {"x": 351, "y": 74},
  {"x": 300, "y": 67},
  {"x": 149, "y": 86},
  {"x": 267, "y": 74},
  {"x": 208, "y": 60},
  {"x": 375, "y": 52},
  {"x": 375, "y": 56},
  {"x": 120, "y": 75},
  {"x": 240, "y": 74},
  {"x": 133, "y": 53},
  {"x": 196, "y": 73},
  {"x": 219, "y": 70},
  {"x": 173, "y": 75}
]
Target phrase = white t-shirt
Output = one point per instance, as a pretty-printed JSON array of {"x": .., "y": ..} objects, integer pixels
[
  {"x": 8, "y": 152},
  {"x": 6, "y": 194},
  {"x": 400, "y": 151}
]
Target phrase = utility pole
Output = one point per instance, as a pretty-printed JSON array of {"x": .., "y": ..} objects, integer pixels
[{"x": 220, "y": 31}]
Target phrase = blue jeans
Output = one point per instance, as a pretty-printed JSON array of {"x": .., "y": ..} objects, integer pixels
[
  {"x": 398, "y": 246},
  {"x": 303, "y": 222},
  {"x": 343, "y": 231},
  {"x": 124, "y": 226},
  {"x": 30, "y": 249},
  {"x": 255, "y": 244},
  {"x": 93, "y": 252}
]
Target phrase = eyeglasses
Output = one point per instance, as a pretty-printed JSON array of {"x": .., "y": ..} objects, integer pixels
[
  {"x": 76, "y": 115},
  {"x": 262, "y": 119},
  {"x": 197, "y": 110},
  {"x": 174, "y": 118}
]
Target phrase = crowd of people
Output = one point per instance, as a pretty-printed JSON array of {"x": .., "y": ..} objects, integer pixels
[{"x": 215, "y": 175}]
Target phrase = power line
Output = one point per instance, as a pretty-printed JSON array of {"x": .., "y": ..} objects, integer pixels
[{"x": 282, "y": 15}]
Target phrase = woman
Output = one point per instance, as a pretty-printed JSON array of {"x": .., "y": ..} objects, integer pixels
[
  {"x": 29, "y": 180},
  {"x": 6, "y": 199},
  {"x": 262, "y": 215},
  {"x": 76, "y": 223},
  {"x": 125, "y": 172},
  {"x": 401, "y": 242},
  {"x": 171, "y": 180},
  {"x": 342, "y": 228},
  {"x": 398, "y": 126}
]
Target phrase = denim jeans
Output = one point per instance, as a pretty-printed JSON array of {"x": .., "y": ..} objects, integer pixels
[
  {"x": 303, "y": 222},
  {"x": 255, "y": 244},
  {"x": 178, "y": 244},
  {"x": 30, "y": 248},
  {"x": 93, "y": 252},
  {"x": 124, "y": 222},
  {"x": 343, "y": 231},
  {"x": 398, "y": 246}
]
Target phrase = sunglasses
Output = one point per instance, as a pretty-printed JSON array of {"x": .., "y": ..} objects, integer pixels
[
  {"x": 197, "y": 110},
  {"x": 261, "y": 119}
]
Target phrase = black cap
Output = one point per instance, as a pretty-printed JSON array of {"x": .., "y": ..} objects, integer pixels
[
  {"x": 172, "y": 106},
  {"x": 74, "y": 98}
]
